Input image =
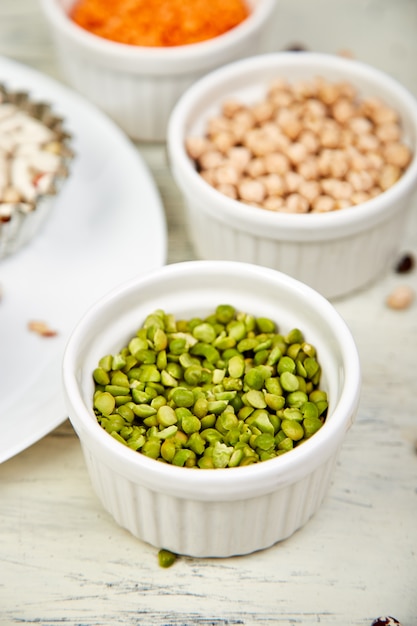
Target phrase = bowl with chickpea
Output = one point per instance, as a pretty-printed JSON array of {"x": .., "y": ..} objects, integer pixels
[{"x": 305, "y": 163}]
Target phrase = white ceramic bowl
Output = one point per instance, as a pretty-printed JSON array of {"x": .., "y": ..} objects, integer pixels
[
  {"x": 336, "y": 253},
  {"x": 206, "y": 512},
  {"x": 138, "y": 86}
]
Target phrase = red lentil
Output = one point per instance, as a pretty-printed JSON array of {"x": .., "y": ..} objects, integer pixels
[{"x": 159, "y": 23}]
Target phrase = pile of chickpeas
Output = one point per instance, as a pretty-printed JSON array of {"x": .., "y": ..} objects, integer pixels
[{"x": 307, "y": 147}]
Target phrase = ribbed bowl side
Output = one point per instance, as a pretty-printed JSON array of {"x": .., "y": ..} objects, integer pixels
[
  {"x": 209, "y": 529},
  {"x": 140, "y": 104},
  {"x": 334, "y": 268}
]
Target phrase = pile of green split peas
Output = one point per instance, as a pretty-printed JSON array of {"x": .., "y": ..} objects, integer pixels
[{"x": 220, "y": 392}]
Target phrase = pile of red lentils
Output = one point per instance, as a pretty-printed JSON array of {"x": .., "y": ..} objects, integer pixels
[{"x": 307, "y": 147}]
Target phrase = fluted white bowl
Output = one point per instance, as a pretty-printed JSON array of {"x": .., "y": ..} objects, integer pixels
[
  {"x": 138, "y": 86},
  {"x": 336, "y": 253},
  {"x": 205, "y": 512}
]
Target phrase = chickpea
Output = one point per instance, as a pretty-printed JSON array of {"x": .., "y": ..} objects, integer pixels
[
  {"x": 361, "y": 181},
  {"x": 280, "y": 99},
  {"x": 239, "y": 157},
  {"x": 278, "y": 85},
  {"x": 338, "y": 165},
  {"x": 295, "y": 203},
  {"x": 209, "y": 176},
  {"x": 397, "y": 154},
  {"x": 273, "y": 203},
  {"x": 259, "y": 142},
  {"x": 309, "y": 168},
  {"x": 274, "y": 184},
  {"x": 328, "y": 93},
  {"x": 292, "y": 181},
  {"x": 313, "y": 124},
  {"x": 343, "y": 110},
  {"x": 309, "y": 140},
  {"x": 383, "y": 115},
  {"x": 323, "y": 204},
  {"x": 400, "y": 298},
  {"x": 360, "y": 125},
  {"x": 289, "y": 123},
  {"x": 324, "y": 162},
  {"x": 251, "y": 190},
  {"x": 217, "y": 124},
  {"x": 309, "y": 189},
  {"x": 388, "y": 132},
  {"x": 256, "y": 167},
  {"x": 263, "y": 111},
  {"x": 343, "y": 204},
  {"x": 358, "y": 197},
  {"x": 228, "y": 190},
  {"x": 357, "y": 160},
  {"x": 226, "y": 175},
  {"x": 231, "y": 107},
  {"x": 375, "y": 160},
  {"x": 196, "y": 146},
  {"x": 277, "y": 163},
  {"x": 314, "y": 108},
  {"x": 337, "y": 189},
  {"x": 304, "y": 89},
  {"x": 223, "y": 140},
  {"x": 388, "y": 176},
  {"x": 367, "y": 142},
  {"x": 296, "y": 152},
  {"x": 211, "y": 159},
  {"x": 330, "y": 134}
]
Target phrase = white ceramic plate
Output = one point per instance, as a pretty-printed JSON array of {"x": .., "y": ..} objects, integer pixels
[{"x": 108, "y": 226}]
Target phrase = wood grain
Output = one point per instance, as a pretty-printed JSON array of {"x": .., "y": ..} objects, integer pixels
[{"x": 62, "y": 558}]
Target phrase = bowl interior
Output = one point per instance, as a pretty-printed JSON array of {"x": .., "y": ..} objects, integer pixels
[{"x": 196, "y": 288}]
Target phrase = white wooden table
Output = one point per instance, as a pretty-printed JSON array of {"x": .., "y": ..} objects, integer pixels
[{"x": 62, "y": 558}]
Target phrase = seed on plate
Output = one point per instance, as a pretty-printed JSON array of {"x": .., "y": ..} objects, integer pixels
[{"x": 41, "y": 328}]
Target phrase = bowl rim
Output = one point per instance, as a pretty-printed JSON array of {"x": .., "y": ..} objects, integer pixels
[
  {"x": 219, "y": 484},
  {"x": 170, "y": 57},
  {"x": 304, "y": 227}
]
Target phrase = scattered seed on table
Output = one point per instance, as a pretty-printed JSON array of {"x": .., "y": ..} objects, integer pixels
[
  {"x": 166, "y": 558},
  {"x": 405, "y": 264},
  {"x": 400, "y": 298}
]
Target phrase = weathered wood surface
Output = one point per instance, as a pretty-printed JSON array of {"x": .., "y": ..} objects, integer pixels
[{"x": 62, "y": 558}]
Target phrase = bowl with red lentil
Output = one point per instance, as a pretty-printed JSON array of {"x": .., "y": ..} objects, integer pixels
[
  {"x": 303, "y": 162},
  {"x": 134, "y": 59},
  {"x": 211, "y": 400}
]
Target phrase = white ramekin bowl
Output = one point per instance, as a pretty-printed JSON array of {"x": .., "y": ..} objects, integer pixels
[
  {"x": 138, "y": 86},
  {"x": 206, "y": 512},
  {"x": 336, "y": 253}
]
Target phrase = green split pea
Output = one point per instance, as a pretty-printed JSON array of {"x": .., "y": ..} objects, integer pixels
[{"x": 222, "y": 391}]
